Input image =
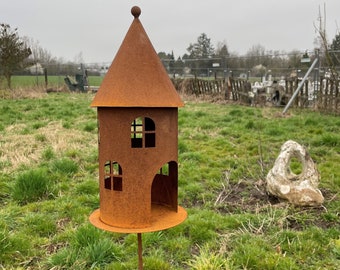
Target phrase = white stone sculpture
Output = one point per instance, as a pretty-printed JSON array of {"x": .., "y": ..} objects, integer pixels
[{"x": 301, "y": 189}]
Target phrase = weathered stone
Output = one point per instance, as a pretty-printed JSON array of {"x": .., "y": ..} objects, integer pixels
[{"x": 301, "y": 189}]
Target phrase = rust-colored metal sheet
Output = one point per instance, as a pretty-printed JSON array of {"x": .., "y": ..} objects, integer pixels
[
  {"x": 136, "y": 77},
  {"x": 162, "y": 218},
  {"x": 138, "y": 141}
]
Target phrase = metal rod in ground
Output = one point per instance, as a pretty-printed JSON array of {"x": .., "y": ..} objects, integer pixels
[
  {"x": 140, "y": 251},
  {"x": 300, "y": 86}
]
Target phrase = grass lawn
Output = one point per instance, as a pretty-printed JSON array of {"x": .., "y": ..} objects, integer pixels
[
  {"x": 49, "y": 187},
  {"x": 53, "y": 81}
]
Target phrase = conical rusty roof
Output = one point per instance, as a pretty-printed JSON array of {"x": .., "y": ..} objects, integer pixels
[{"x": 136, "y": 77}]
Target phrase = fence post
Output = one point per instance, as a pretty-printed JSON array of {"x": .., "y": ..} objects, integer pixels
[
  {"x": 46, "y": 79},
  {"x": 317, "y": 82}
]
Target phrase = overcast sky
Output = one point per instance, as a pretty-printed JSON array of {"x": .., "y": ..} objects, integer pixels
[{"x": 95, "y": 29}]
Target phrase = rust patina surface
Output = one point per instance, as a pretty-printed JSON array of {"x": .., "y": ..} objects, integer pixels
[
  {"x": 137, "y": 108},
  {"x": 136, "y": 77}
]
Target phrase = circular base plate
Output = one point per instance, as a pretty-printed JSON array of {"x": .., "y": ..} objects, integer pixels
[{"x": 162, "y": 218}]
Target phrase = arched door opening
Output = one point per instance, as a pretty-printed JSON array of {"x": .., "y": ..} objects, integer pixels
[{"x": 164, "y": 186}]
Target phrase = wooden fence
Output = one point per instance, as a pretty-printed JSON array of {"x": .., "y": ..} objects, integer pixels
[
  {"x": 323, "y": 96},
  {"x": 328, "y": 97},
  {"x": 201, "y": 87}
]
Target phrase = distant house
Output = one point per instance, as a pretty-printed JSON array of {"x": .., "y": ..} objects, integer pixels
[{"x": 36, "y": 69}]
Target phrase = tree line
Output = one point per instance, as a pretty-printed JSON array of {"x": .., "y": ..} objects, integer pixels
[
  {"x": 201, "y": 59},
  {"x": 18, "y": 53}
]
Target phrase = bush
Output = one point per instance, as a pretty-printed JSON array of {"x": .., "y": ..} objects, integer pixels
[
  {"x": 88, "y": 249},
  {"x": 208, "y": 260},
  {"x": 65, "y": 165},
  {"x": 31, "y": 186}
]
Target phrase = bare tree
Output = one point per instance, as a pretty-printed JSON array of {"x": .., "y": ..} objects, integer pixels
[
  {"x": 78, "y": 58},
  {"x": 323, "y": 43},
  {"x": 39, "y": 54},
  {"x": 256, "y": 55}
]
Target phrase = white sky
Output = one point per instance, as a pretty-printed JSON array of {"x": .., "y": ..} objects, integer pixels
[{"x": 95, "y": 29}]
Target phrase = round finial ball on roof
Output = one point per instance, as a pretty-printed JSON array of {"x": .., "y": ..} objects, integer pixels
[{"x": 136, "y": 11}]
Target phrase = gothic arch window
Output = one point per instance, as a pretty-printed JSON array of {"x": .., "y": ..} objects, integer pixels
[
  {"x": 143, "y": 133},
  {"x": 113, "y": 176}
]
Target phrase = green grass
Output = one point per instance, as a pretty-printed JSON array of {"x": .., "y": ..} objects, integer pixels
[
  {"x": 49, "y": 187},
  {"x": 31, "y": 185},
  {"x": 26, "y": 81}
]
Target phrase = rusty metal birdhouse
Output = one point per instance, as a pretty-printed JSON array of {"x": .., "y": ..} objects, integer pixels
[{"x": 137, "y": 108}]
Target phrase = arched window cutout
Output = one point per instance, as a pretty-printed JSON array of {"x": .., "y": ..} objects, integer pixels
[
  {"x": 143, "y": 133},
  {"x": 113, "y": 176}
]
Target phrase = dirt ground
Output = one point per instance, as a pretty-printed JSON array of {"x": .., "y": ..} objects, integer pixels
[{"x": 247, "y": 196}]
